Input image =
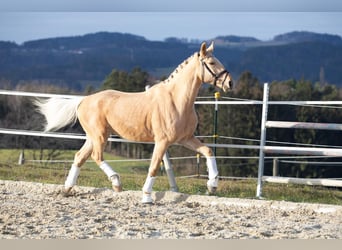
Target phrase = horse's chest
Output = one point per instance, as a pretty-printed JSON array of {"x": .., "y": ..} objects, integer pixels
[{"x": 173, "y": 121}]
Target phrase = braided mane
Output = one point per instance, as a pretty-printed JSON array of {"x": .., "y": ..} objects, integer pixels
[{"x": 178, "y": 69}]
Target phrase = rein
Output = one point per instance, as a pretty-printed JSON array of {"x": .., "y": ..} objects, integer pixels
[{"x": 216, "y": 76}]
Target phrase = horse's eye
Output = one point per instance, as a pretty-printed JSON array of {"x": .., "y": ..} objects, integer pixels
[{"x": 211, "y": 63}]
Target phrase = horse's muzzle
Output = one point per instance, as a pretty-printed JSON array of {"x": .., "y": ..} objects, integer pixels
[{"x": 227, "y": 86}]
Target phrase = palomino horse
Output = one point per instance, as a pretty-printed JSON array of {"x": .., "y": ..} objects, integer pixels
[{"x": 164, "y": 114}]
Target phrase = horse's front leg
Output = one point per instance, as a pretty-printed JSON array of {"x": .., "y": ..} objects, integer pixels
[
  {"x": 196, "y": 145},
  {"x": 157, "y": 156}
]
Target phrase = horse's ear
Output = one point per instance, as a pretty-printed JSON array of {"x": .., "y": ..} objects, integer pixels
[
  {"x": 203, "y": 50},
  {"x": 211, "y": 47}
]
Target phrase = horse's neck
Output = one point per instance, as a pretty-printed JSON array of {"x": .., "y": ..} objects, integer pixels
[{"x": 184, "y": 85}]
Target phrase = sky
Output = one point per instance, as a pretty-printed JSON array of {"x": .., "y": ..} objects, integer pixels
[{"x": 20, "y": 23}]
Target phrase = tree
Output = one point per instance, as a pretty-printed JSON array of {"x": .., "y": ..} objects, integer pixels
[{"x": 136, "y": 80}]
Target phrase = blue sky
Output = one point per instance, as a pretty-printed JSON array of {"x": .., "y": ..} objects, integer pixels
[
  {"x": 171, "y": 5},
  {"x": 157, "y": 20}
]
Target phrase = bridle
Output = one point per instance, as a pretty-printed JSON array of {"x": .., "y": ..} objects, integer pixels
[{"x": 216, "y": 76}]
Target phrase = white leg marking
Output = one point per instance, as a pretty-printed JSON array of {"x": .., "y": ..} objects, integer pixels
[
  {"x": 212, "y": 172},
  {"x": 111, "y": 174},
  {"x": 72, "y": 176},
  {"x": 147, "y": 190},
  {"x": 149, "y": 184}
]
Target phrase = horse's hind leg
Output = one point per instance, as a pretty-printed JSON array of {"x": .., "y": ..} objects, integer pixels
[
  {"x": 196, "y": 145},
  {"x": 80, "y": 157},
  {"x": 97, "y": 155}
]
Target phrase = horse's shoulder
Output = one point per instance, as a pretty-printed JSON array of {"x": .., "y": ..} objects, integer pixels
[{"x": 160, "y": 91}]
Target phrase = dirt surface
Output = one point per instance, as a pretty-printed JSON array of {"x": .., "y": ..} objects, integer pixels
[{"x": 40, "y": 211}]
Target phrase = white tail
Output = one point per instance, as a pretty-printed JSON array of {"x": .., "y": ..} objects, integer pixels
[{"x": 59, "y": 112}]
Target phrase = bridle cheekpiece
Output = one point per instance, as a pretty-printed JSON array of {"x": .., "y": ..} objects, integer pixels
[{"x": 213, "y": 74}]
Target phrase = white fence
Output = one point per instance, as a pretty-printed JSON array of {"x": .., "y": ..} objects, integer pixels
[
  {"x": 262, "y": 148},
  {"x": 292, "y": 150}
]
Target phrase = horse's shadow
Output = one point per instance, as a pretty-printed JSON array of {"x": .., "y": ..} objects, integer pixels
[
  {"x": 170, "y": 196},
  {"x": 77, "y": 192}
]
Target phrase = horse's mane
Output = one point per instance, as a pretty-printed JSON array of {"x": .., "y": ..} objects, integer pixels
[{"x": 178, "y": 69}]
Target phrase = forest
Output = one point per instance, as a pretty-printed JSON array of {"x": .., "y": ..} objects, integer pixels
[{"x": 237, "y": 124}]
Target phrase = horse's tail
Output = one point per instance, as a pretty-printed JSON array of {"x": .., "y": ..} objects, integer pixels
[{"x": 58, "y": 112}]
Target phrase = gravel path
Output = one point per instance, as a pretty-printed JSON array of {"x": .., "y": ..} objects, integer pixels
[{"x": 40, "y": 211}]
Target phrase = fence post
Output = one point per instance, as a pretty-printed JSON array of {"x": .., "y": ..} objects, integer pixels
[
  {"x": 262, "y": 140},
  {"x": 217, "y": 97},
  {"x": 198, "y": 158},
  {"x": 275, "y": 171},
  {"x": 21, "y": 160},
  {"x": 169, "y": 172}
]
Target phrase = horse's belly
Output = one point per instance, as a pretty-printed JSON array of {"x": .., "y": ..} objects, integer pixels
[
  {"x": 136, "y": 136},
  {"x": 132, "y": 133}
]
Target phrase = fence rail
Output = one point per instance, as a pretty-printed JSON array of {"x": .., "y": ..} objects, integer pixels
[
  {"x": 304, "y": 181},
  {"x": 303, "y": 151},
  {"x": 242, "y": 102},
  {"x": 303, "y": 125}
]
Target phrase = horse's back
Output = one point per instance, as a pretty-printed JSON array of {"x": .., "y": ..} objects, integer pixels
[
  {"x": 102, "y": 99},
  {"x": 124, "y": 113}
]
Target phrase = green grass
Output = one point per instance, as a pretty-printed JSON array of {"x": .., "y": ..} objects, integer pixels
[{"x": 133, "y": 175}]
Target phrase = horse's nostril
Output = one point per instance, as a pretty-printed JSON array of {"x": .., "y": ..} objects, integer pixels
[{"x": 230, "y": 83}]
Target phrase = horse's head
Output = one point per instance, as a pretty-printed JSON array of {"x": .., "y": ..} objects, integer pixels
[{"x": 213, "y": 71}]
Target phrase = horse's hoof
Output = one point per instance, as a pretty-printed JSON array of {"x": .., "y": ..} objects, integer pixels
[
  {"x": 147, "y": 199},
  {"x": 116, "y": 183},
  {"x": 212, "y": 185},
  {"x": 117, "y": 189},
  {"x": 67, "y": 192},
  {"x": 212, "y": 190}
]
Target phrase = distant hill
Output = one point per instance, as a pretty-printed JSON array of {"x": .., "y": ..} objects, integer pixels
[
  {"x": 304, "y": 36},
  {"x": 235, "y": 40},
  {"x": 81, "y": 60},
  {"x": 88, "y": 41},
  {"x": 295, "y": 61}
]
